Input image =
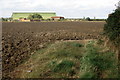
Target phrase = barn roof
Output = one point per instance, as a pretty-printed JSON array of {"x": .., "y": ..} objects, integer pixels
[
  {"x": 45, "y": 14},
  {"x": 34, "y": 12}
]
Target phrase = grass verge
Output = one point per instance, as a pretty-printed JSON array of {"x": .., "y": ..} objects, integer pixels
[
  {"x": 97, "y": 64},
  {"x": 72, "y": 60}
]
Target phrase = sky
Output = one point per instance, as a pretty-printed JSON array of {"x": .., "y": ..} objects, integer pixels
[{"x": 66, "y": 8}]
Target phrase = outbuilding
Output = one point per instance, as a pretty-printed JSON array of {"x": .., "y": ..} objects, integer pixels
[
  {"x": 24, "y": 20},
  {"x": 57, "y": 18}
]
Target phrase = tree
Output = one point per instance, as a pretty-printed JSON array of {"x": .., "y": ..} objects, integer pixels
[
  {"x": 112, "y": 28},
  {"x": 4, "y": 19},
  {"x": 10, "y": 19},
  {"x": 35, "y": 17},
  {"x": 83, "y": 18},
  {"x": 88, "y": 19}
]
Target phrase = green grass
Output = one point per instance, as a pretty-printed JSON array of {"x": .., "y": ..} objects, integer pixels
[
  {"x": 72, "y": 59},
  {"x": 63, "y": 66},
  {"x": 57, "y": 60},
  {"x": 67, "y": 50},
  {"x": 95, "y": 63}
]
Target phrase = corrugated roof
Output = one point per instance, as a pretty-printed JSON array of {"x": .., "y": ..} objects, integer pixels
[{"x": 33, "y": 11}]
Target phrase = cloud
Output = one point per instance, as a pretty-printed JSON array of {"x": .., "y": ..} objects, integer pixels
[{"x": 67, "y": 8}]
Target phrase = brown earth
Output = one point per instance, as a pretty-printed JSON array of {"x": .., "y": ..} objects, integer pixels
[{"x": 21, "y": 39}]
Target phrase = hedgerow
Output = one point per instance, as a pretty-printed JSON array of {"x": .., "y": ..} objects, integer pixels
[{"x": 112, "y": 27}]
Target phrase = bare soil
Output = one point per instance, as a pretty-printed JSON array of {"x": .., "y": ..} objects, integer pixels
[{"x": 20, "y": 39}]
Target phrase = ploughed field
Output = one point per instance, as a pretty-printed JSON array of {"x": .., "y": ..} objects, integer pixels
[{"x": 21, "y": 39}]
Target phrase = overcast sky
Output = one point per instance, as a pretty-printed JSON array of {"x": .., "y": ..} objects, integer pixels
[{"x": 66, "y": 8}]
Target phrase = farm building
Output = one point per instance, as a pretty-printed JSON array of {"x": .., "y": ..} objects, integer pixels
[
  {"x": 24, "y": 20},
  {"x": 57, "y": 17},
  {"x": 45, "y": 15}
]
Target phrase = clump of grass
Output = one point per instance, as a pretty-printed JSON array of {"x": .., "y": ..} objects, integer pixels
[
  {"x": 96, "y": 62},
  {"x": 63, "y": 66},
  {"x": 67, "y": 49},
  {"x": 60, "y": 53},
  {"x": 57, "y": 60},
  {"x": 75, "y": 44},
  {"x": 100, "y": 41},
  {"x": 89, "y": 74}
]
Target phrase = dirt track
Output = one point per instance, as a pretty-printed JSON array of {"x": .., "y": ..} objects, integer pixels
[{"x": 21, "y": 39}]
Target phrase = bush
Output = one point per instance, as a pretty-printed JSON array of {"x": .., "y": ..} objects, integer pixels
[
  {"x": 112, "y": 28},
  {"x": 35, "y": 17},
  {"x": 100, "y": 41},
  {"x": 88, "y": 19}
]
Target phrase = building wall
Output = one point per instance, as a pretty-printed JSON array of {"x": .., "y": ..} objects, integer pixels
[
  {"x": 16, "y": 16},
  {"x": 23, "y": 20}
]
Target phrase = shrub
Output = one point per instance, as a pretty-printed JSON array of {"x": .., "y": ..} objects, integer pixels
[
  {"x": 112, "y": 28},
  {"x": 88, "y": 19},
  {"x": 35, "y": 17},
  {"x": 100, "y": 41}
]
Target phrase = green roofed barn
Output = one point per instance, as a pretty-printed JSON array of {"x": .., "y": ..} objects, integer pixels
[{"x": 45, "y": 15}]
